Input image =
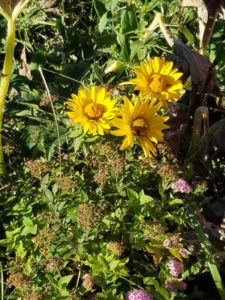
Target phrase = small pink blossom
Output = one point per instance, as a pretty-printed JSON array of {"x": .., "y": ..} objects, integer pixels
[
  {"x": 167, "y": 243},
  {"x": 182, "y": 186},
  {"x": 138, "y": 295},
  {"x": 183, "y": 251},
  {"x": 175, "y": 267}
]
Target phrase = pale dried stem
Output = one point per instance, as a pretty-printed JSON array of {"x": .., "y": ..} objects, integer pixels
[
  {"x": 55, "y": 118},
  {"x": 158, "y": 21}
]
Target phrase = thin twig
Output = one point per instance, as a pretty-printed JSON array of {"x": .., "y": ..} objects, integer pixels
[
  {"x": 4, "y": 187},
  {"x": 78, "y": 277},
  {"x": 67, "y": 77},
  {"x": 55, "y": 117},
  {"x": 2, "y": 281}
]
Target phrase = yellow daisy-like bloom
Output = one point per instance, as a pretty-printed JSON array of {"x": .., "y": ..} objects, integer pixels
[
  {"x": 157, "y": 79},
  {"x": 140, "y": 121},
  {"x": 92, "y": 109}
]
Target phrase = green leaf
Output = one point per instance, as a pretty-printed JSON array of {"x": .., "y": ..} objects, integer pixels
[
  {"x": 114, "y": 264},
  {"x": 121, "y": 39},
  {"x": 20, "y": 251},
  {"x": 129, "y": 20},
  {"x": 75, "y": 132},
  {"x": 176, "y": 201},
  {"x": 137, "y": 48},
  {"x": 29, "y": 228},
  {"x": 144, "y": 198},
  {"x": 65, "y": 280},
  {"x": 175, "y": 253},
  {"x": 102, "y": 23},
  {"x": 99, "y": 7},
  {"x": 132, "y": 195},
  {"x": 188, "y": 35}
]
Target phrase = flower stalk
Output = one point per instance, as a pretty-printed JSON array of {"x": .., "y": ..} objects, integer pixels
[
  {"x": 4, "y": 86},
  {"x": 10, "y": 11}
]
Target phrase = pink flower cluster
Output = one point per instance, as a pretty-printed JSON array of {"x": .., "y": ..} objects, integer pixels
[
  {"x": 182, "y": 186},
  {"x": 137, "y": 295},
  {"x": 175, "y": 267}
]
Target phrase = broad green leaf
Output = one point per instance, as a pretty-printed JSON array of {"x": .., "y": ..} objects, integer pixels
[
  {"x": 102, "y": 23},
  {"x": 144, "y": 198},
  {"x": 129, "y": 20}
]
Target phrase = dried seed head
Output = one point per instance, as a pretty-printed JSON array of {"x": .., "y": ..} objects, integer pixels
[
  {"x": 175, "y": 285},
  {"x": 35, "y": 295},
  {"x": 164, "y": 149},
  {"x": 89, "y": 281},
  {"x": 45, "y": 100},
  {"x": 168, "y": 172},
  {"x": 89, "y": 216},
  {"x": 50, "y": 263},
  {"x": 66, "y": 183},
  {"x": 37, "y": 167},
  {"x": 19, "y": 280},
  {"x": 116, "y": 248}
]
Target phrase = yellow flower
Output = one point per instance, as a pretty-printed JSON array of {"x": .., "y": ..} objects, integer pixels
[
  {"x": 157, "y": 79},
  {"x": 140, "y": 121},
  {"x": 92, "y": 109}
]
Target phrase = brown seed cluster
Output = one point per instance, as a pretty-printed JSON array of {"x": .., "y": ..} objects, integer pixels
[
  {"x": 73, "y": 297},
  {"x": 89, "y": 281},
  {"x": 116, "y": 248},
  {"x": 8, "y": 149},
  {"x": 19, "y": 280},
  {"x": 88, "y": 216},
  {"x": 47, "y": 287},
  {"x": 45, "y": 100},
  {"x": 114, "y": 90},
  {"x": 107, "y": 161},
  {"x": 35, "y": 295},
  {"x": 200, "y": 186},
  {"x": 175, "y": 240},
  {"x": 169, "y": 172},
  {"x": 66, "y": 183},
  {"x": 153, "y": 229},
  {"x": 165, "y": 150},
  {"x": 16, "y": 277},
  {"x": 50, "y": 263},
  {"x": 100, "y": 176},
  {"x": 44, "y": 238},
  {"x": 37, "y": 167},
  {"x": 175, "y": 285},
  {"x": 148, "y": 162}
]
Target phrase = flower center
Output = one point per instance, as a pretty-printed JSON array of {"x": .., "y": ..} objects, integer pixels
[
  {"x": 94, "y": 111},
  {"x": 139, "y": 126},
  {"x": 157, "y": 83}
]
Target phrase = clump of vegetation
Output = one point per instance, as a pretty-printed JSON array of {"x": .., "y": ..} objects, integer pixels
[{"x": 111, "y": 150}]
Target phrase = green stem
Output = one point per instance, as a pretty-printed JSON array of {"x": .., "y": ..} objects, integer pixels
[
  {"x": 206, "y": 247},
  {"x": 4, "y": 86}
]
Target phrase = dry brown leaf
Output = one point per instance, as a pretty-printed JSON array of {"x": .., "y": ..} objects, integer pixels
[
  {"x": 203, "y": 74},
  {"x": 208, "y": 11},
  {"x": 7, "y": 7},
  {"x": 178, "y": 122}
]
